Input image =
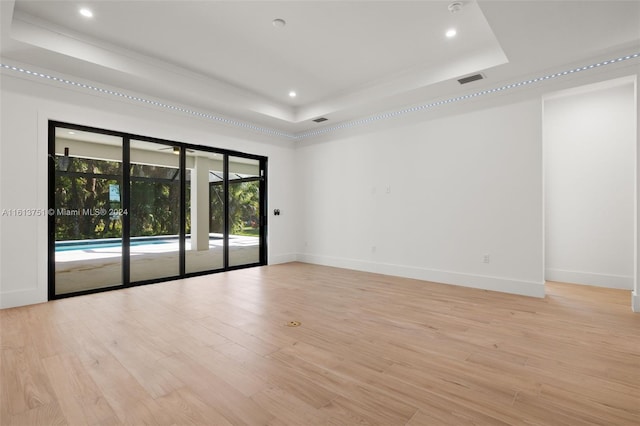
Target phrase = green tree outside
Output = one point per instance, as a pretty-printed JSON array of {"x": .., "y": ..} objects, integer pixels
[{"x": 155, "y": 201}]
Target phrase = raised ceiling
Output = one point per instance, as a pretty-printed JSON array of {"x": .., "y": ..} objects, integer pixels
[{"x": 344, "y": 59}]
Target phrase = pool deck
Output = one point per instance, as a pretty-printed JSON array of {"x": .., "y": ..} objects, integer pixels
[
  {"x": 78, "y": 270},
  {"x": 142, "y": 249}
]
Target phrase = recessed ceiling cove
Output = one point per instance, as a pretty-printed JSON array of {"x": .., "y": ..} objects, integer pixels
[
  {"x": 337, "y": 54},
  {"x": 345, "y": 60}
]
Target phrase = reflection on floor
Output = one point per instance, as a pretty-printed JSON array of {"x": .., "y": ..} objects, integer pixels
[{"x": 79, "y": 270}]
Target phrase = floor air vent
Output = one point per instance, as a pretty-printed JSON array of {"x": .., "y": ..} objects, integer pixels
[
  {"x": 469, "y": 79},
  {"x": 320, "y": 120}
]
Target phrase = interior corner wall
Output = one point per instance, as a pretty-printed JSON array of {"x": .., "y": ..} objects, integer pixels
[
  {"x": 589, "y": 156},
  {"x": 27, "y": 106},
  {"x": 635, "y": 296},
  {"x": 456, "y": 200}
]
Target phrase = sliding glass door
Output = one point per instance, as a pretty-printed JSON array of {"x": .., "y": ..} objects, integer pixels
[
  {"x": 244, "y": 211},
  {"x": 129, "y": 210},
  {"x": 205, "y": 239},
  {"x": 154, "y": 211},
  {"x": 86, "y": 210}
]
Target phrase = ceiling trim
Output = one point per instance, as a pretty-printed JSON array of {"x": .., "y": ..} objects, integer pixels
[
  {"x": 421, "y": 107},
  {"x": 123, "y": 95},
  {"x": 327, "y": 129}
]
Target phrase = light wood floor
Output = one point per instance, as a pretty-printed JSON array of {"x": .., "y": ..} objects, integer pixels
[{"x": 371, "y": 349}]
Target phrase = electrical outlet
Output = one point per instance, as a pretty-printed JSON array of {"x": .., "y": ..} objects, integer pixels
[
  {"x": 373, "y": 249},
  {"x": 486, "y": 258}
]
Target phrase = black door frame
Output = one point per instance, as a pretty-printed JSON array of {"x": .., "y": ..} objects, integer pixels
[{"x": 126, "y": 204}]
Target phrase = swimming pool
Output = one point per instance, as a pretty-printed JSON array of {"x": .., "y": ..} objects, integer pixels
[
  {"x": 96, "y": 244},
  {"x": 109, "y": 243}
]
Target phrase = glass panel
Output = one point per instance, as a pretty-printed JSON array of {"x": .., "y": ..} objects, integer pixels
[
  {"x": 244, "y": 211},
  {"x": 205, "y": 212},
  {"x": 88, "y": 211},
  {"x": 155, "y": 211}
]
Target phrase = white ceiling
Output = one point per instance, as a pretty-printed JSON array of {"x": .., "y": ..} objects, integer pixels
[{"x": 345, "y": 59}]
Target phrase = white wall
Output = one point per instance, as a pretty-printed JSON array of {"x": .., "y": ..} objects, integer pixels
[
  {"x": 26, "y": 107},
  {"x": 460, "y": 186},
  {"x": 429, "y": 200},
  {"x": 589, "y": 154},
  {"x": 635, "y": 297}
]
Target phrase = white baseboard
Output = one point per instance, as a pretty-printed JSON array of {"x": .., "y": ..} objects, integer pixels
[
  {"x": 589, "y": 278},
  {"x": 282, "y": 258},
  {"x": 11, "y": 299},
  {"x": 505, "y": 285},
  {"x": 635, "y": 302}
]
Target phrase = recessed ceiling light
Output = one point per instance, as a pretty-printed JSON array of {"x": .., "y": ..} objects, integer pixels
[
  {"x": 292, "y": 94},
  {"x": 451, "y": 33},
  {"x": 279, "y": 23},
  {"x": 87, "y": 13},
  {"x": 72, "y": 133}
]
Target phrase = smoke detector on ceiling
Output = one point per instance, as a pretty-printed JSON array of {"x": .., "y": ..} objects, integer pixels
[{"x": 456, "y": 6}]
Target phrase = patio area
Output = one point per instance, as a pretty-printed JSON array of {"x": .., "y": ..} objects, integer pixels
[{"x": 100, "y": 265}]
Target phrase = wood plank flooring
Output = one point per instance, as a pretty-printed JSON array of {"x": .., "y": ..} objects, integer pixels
[{"x": 371, "y": 350}]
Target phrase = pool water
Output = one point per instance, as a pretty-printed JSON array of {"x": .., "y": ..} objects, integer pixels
[{"x": 80, "y": 245}]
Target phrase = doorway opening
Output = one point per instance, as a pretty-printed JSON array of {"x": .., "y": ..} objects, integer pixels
[{"x": 589, "y": 147}]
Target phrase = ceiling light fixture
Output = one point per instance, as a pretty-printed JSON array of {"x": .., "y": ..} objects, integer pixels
[
  {"x": 451, "y": 33},
  {"x": 63, "y": 162},
  {"x": 279, "y": 23},
  {"x": 292, "y": 94},
  {"x": 87, "y": 13}
]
